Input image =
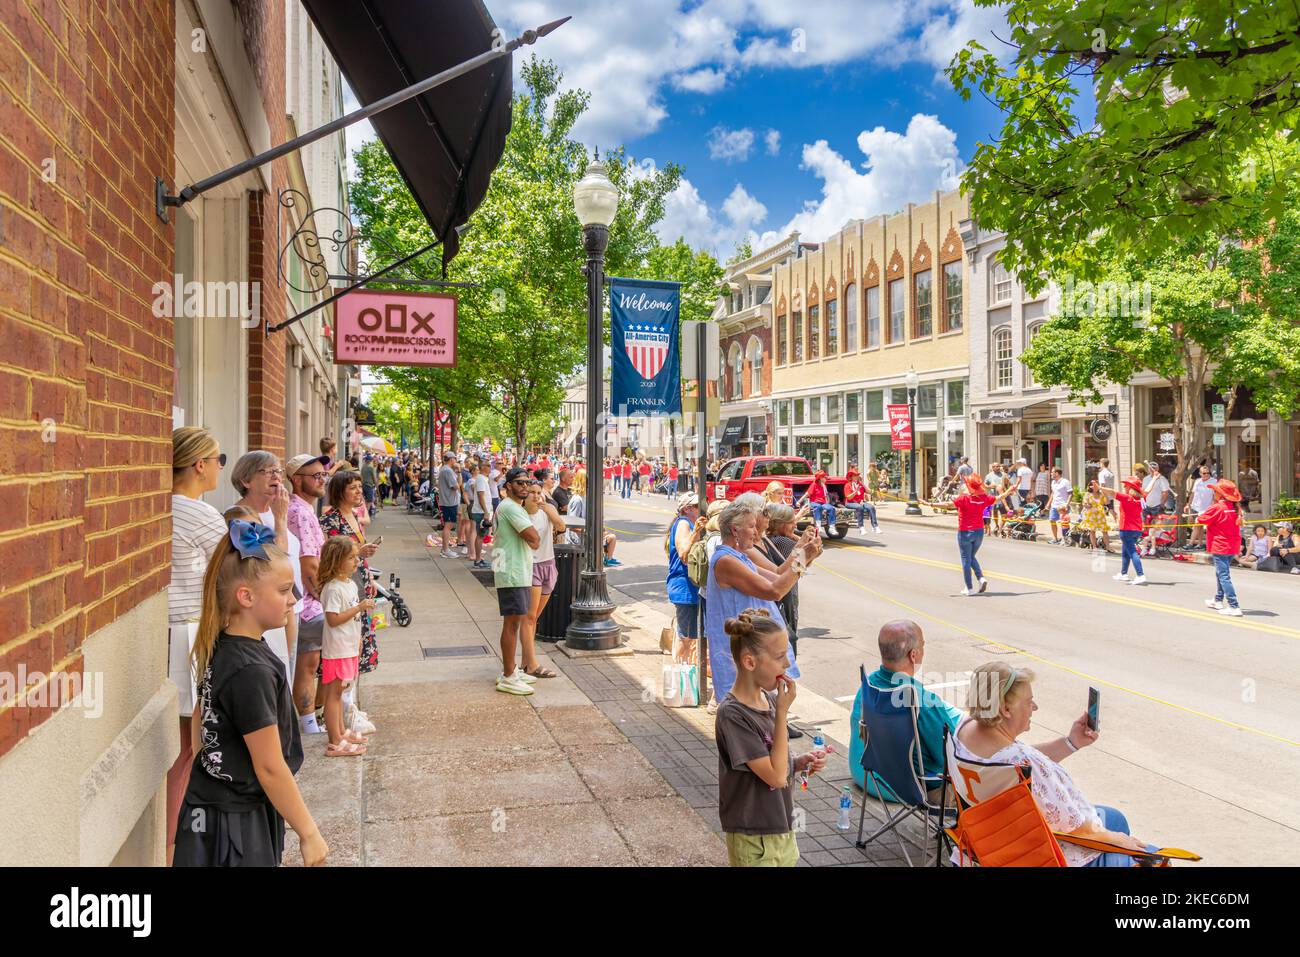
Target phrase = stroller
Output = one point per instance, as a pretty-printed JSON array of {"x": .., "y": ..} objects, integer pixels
[
  {"x": 1023, "y": 526},
  {"x": 401, "y": 614},
  {"x": 941, "y": 495}
]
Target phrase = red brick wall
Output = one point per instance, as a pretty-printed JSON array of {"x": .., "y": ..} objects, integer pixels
[
  {"x": 764, "y": 336},
  {"x": 85, "y": 373},
  {"x": 263, "y": 25}
]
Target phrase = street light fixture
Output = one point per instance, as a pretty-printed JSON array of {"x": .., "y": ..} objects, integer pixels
[
  {"x": 912, "y": 380},
  {"x": 595, "y": 200}
]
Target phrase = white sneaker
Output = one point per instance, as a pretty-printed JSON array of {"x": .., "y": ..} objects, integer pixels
[
  {"x": 513, "y": 685},
  {"x": 446, "y": 554},
  {"x": 875, "y": 529},
  {"x": 984, "y": 584},
  {"x": 1140, "y": 580},
  {"x": 965, "y": 591},
  {"x": 1295, "y": 569},
  {"x": 1213, "y": 603},
  {"x": 1120, "y": 577},
  {"x": 521, "y": 675},
  {"x": 1230, "y": 612}
]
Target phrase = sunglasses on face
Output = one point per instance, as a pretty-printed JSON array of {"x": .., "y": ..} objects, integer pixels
[
  {"x": 221, "y": 459},
  {"x": 318, "y": 476}
]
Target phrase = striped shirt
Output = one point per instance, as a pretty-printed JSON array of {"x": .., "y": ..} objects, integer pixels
[{"x": 197, "y": 527}]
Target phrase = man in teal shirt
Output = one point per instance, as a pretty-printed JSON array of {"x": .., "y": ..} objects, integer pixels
[
  {"x": 513, "y": 544},
  {"x": 902, "y": 648}
]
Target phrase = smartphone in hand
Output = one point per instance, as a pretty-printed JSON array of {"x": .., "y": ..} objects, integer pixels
[{"x": 1094, "y": 709}]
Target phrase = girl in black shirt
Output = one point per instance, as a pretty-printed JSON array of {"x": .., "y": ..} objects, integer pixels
[{"x": 245, "y": 727}]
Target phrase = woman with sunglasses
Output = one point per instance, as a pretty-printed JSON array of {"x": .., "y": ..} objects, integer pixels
[{"x": 197, "y": 527}]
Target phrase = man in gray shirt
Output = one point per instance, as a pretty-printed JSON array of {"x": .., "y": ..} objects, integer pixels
[{"x": 448, "y": 500}]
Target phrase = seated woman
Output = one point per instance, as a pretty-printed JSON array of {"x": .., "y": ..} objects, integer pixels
[
  {"x": 1285, "y": 549},
  {"x": 1001, "y": 703},
  {"x": 1257, "y": 549}
]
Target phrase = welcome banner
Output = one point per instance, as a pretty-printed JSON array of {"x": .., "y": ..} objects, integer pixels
[{"x": 644, "y": 330}]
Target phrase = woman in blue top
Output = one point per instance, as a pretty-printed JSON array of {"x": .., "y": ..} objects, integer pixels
[
  {"x": 736, "y": 584},
  {"x": 684, "y": 595}
]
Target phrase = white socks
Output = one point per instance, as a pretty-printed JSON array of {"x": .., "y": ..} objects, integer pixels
[{"x": 307, "y": 724}]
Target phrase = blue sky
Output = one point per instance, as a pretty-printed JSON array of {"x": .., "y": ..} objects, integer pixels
[{"x": 785, "y": 113}]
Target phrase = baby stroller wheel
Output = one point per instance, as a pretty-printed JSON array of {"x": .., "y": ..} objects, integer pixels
[{"x": 401, "y": 615}]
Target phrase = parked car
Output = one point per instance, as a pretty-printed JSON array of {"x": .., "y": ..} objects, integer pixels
[{"x": 753, "y": 473}]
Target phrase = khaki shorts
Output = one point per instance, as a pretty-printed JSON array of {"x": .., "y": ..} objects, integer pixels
[{"x": 762, "y": 850}]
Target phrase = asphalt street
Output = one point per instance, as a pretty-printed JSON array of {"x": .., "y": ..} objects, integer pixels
[{"x": 1200, "y": 716}]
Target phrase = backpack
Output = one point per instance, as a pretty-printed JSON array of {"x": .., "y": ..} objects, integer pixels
[{"x": 697, "y": 563}]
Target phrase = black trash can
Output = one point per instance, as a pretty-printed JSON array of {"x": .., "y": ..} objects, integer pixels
[{"x": 556, "y": 616}]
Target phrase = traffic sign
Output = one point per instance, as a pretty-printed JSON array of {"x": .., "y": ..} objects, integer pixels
[
  {"x": 1220, "y": 438},
  {"x": 1218, "y": 412}
]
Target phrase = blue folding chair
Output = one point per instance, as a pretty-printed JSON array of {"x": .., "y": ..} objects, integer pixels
[{"x": 891, "y": 765}]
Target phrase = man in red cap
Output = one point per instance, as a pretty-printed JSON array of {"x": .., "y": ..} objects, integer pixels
[
  {"x": 1129, "y": 505},
  {"x": 823, "y": 513},
  {"x": 1222, "y": 522},
  {"x": 970, "y": 528},
  {"x": 855, "y": 497}
]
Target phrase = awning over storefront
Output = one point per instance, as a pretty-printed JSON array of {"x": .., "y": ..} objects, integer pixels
[
  {"x": 735, "y": 430},
  {"x": 446, "y": 142}
]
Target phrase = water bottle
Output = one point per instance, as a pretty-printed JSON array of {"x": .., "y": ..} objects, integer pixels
[{"x": 846, "y": 805}]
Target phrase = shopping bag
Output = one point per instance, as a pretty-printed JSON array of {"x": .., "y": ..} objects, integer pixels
[
  {"x": 379, "y": 620},
  {"x": 681, "y": 687},
  {"x": 180, "y": 645},
  {"x": 666, "y": 641}
]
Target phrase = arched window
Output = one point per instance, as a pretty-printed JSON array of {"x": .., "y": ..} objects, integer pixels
[
  {"x": 1002, "y": 358},
  {"x": 755, "y": 355},
  {"x": 724, "y": 367},
  {"x": 737, "y": 363}
]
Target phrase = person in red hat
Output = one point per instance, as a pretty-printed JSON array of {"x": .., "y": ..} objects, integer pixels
[
  {"x": 856, "y": 498},
  {"x": 970, "y": 506},
  {"x": 1222, "y": 522},
  {"x": 1128, "y": 502},
  {"x": 823, "y": 512}
]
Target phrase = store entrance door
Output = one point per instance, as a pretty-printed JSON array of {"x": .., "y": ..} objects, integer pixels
[{"x": 1049, "y": 451}]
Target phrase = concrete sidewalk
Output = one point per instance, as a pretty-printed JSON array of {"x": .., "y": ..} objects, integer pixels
[
  {"x": 461, "y": 774},
  {"x": 590, "y": 770}
]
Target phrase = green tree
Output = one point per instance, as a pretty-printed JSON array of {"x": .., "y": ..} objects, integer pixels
[
  {"x": 1221, "y": 315},
  {"x": 1193, "y": 97},
  {"x": 522, "y": 328},
  {"x": 397, "y": 411},
  {"x": 697, "y": 271}
]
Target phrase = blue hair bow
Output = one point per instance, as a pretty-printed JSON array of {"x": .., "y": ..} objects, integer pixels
[{"x": 249, "y": 537}]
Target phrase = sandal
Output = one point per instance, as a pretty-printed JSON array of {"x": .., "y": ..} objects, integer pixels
[
  {"x": 540, "y": 672},
  {"x": 344, "y": 749},
  {"x": 355, "y": 737}
]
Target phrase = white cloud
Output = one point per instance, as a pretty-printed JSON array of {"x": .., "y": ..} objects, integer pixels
[
  {"x": 625, "y": 62},
  {"x": 899, "y": 168},
  {"x": 728, "y": 145},
  {"x": 773, "y": 140},
  {"x": 951, "y": 29},
  {"x": 688, "y": 216}
]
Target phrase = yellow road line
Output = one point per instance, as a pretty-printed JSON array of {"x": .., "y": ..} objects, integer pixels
[
  {"x": 1087, "y": 593},
  {"x": 1066, "y": 668}
]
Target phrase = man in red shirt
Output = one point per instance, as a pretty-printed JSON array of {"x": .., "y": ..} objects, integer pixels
[
  {"x": 643, "y": 482},
  {"x": 625, "y": 470},
  {"x": 970, "y": 528},
  {"x": 1222, "y": 522},
  {"x": 1129, "y": 505},
  {"x": 823, "y": 513},
  {"x": 672, "y": 481},
  {"x": 855, "y": 497}
]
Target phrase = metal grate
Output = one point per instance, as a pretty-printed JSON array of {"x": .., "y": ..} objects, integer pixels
[{"x": 456, "y": 651}]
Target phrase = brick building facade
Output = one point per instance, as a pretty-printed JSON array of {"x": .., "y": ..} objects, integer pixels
[{"x": 89, "y": 114}]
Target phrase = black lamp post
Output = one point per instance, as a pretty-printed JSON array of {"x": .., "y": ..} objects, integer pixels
[
  {"x": 595, "y": 199},
  {"x": 912, "y": 380}
]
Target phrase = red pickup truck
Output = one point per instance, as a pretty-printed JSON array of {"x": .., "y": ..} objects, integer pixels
[{"x": 753, "y": 473}]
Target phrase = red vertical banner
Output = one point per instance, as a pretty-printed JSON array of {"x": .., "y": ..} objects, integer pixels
[{"x": 900, "y": 426}]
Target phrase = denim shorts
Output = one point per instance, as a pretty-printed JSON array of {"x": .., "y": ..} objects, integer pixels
[{"x": 448, "y": 513}]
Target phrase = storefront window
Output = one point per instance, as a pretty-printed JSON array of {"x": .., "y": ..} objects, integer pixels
[
  {"x": 851, "y": 407},
  {"x": 898, "y": 395},
  {"x": 815, "y": 410},
  {"x": 783, "y": 412},
  {"x": 851, "y": 451},
  {"x": 957, "y": 397},
  {"x": 1162, "y": 404},
  {"x": 785, "y": 445},
  {"x": 927, "y": 401},
  {"x": 1093, "y": 453},
  {"x": 832, "y": 408},
  {"x": 875, "y": 405}
]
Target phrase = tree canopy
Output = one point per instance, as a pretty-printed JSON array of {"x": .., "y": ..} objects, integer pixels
[{"x": 1195, "y": 100}]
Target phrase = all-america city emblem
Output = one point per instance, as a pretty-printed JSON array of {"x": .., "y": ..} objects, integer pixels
[{"x": 647, "y": 347}]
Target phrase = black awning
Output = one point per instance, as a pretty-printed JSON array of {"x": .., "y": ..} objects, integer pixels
[
  {"x": 735, "y": 429},
  {"x": 446, "y": 142}
]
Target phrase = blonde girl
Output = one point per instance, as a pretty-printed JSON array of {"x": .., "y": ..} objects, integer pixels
[
  {"x": 341, "y": 640},
  {"x": 244, "y": 729}
]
